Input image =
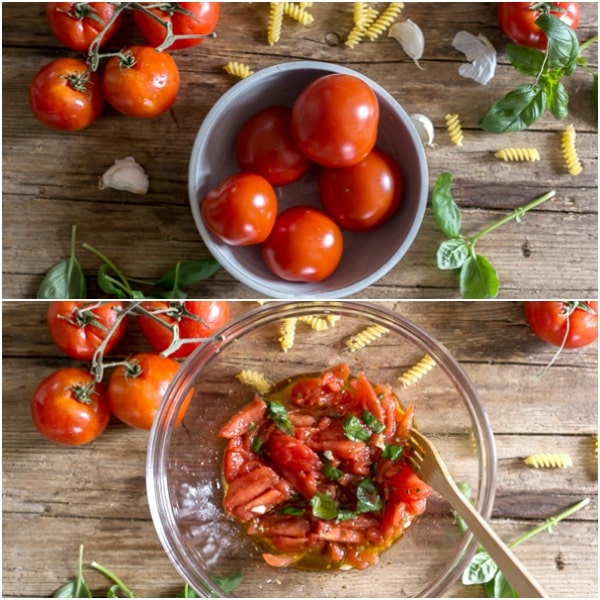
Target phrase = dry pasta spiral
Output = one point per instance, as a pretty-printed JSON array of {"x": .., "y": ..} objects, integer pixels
[
  {"x": 357, "y": 33},
  {"x": 275, "y": 22},
  {"x": 518, "y": 154},
  {"x": 365, "y": 337},
  {"x": 549, "y": 461},
  {"x": 254, "y": 379},
  {"x": 238, "y": 69},
  {"x": 315, "y": 322},
  {"x": 287, "y": 333},
  {"x": 569, "y": 150},
  {"x": 298, "y": 13},
  {"x": 454, "y": 129},
  {"x": 384, "y": 21},
  {"x": 417, "y": 371}
]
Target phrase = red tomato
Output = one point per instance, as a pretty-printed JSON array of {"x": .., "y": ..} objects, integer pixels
[
  {"x": 186, "y": 18},
  {"x": 305, "y": 245},
  {"x": 335, "y": 120},
  {"x": 194, "y": 319},
  {"x": 78, "y": 24},
  {"x": 135, "y": 390},
  {"x": 69, "y": 407},
  {"x": 241, "y": 210},
  {"x": 407, "y": 486},
  {"x": 79, "y": 328},
  {"x": 265, "y": 146},
  {"x": 65, "y": 95},
  {"x": 573, "y": 324},
  {"x": 141, "y": 82},
  {"x": 365, "y": 195},
  {"x": 517, "y": 20}
]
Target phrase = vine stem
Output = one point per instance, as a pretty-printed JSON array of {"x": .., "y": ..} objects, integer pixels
[{"x": 128, "y": 593}]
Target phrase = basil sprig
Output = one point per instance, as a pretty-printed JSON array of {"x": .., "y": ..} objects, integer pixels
[{"x": 524, "y": 105}]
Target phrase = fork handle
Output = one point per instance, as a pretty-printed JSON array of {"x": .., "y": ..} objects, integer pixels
[{"x": 512, "y": 568}]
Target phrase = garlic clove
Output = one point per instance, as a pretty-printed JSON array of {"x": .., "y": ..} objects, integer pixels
[
  {"x": 424, "y": 128},
  {"x": 410, "y": 36},
  {"x": 125, "y": 175}
]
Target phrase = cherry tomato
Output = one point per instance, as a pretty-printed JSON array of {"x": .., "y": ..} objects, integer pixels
[
  {"x": 195, "y": 319},
  {"x": 141, "y": 83},
  {"x": 241, "y": 210},
  {"x": 77, "y": 24},
  {"x": 69, "y": 407},
  {"x": 573, "y": 323},
  {"x": 264, "y": 145},
  {"x": 135, "y": 390},
  {"x": 335, "y": 120},
  {"x": 79, "y": 328},
  {"x": 187, "y": 18},
  {"x": 517, "y": 20},
  {"x": 305, "y": 245},
  {"x": 65, "y": 95},
  {"x": 365, "y": 195}
]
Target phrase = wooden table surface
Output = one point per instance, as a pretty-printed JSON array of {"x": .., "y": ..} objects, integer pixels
[
  {"x": 55, "y": 498},
  {"x": 50, "y": 178}
]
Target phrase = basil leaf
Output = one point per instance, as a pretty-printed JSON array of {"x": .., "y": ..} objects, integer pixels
[
  {"x": 563, "y": 47},
  {"x": 517, "y": 110},
  {"x": 278, "y": 414},
  {"x": 526, "y": 60},
  {"x": 228, "y": 583},
  {"x": 558, "y": 99},
  {"x": 481, "y": 569},
  {"x": 478, "y": 279},
  {"x": 186, "y": 273},
  {"x": 465, "y": 490},
  {"x": 355, "y": 430},
  {"x": 294, "y": 511},
  {"x": 499, "y": 587},
  {"x": 64, "y": 280},
  {"x": 323, "y": 506},
  {"x": 346, "y": 515},
  {"x": 110, "y": 285},
  {"x": 445, "y": 210},
  {"x": 452, "y": 254},
  {"x": 331, "y": 472},
  {"x": 367, "y": 496},
  {"x": 187, "y": 592},
  {"x": 392, "y": 452},
  {"x": 75, "y": 588},
  {"x": 372, "y": 422}
]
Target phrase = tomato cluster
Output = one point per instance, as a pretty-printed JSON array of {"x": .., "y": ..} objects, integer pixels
[
  {"x": 138, "y": 81},
  {"x": 72, "y": 406},
  {"x": 332, "y": 126}
]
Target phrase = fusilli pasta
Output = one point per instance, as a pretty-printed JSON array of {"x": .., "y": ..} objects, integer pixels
[
  {"x": 384, "y": 20},
  {"x": 417, "y": 371},
  {"x": 296, "y": 12},
  {"x": 238, "y": 69},
  {"x": 569, "y": 150},
  {"x": 518, "y": 154},
  {"x": 549, "y": 461},
  {"x": 275, "y": 22},
  {"x": 454, "y": 129},
  {"x": 357, "y": 33},
  {"x": 287, "y": 333},
  {"x": 365, "y": 337},
  {"x": 254, "y": 379}
]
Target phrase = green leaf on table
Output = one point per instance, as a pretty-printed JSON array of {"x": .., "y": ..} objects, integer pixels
[
  {"x": 110, "y": 285},
  {"x": 557, "y": 99},
  {"x": 452, "y": 254},
  {"x": 186, "y": 273},
  {"x": 227, "y": 583},
  {"x": 481, "y": 569},
  {"x": 75, "y": 588},
  {"x": 64, "y": 280},
  {"x": 445, "y": 209},
  {"x": 499, "y": 587},
  {"x": 563, "y": 47},
  {"x": 478, "y": 279},
  {"x": 465, "y": 489},
  {"x": 528, "y": 61}
]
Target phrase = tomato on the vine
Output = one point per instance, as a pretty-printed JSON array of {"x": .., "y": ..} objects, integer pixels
[
  {"x": 305, "y": 245},
  {"x": 136, "y": 388},
  {"x": 195, "y": 319},
  {"x": 362, "y": 196},
  {"x": 79, "y": 328},
  {"x": 78, "y": 24},
  {"x": 264, "y": 145},
  {"x": 335, "y": 120},
  {"x": 186, "y": 18},
  {"x": 65, "y": 95},
  {"x": 241, "y": 210},
  {"x": 569, "y": 324},
  {"x": 69, "y": 407},
  {"x": 517, "y": 20},
  {"x": 141, "y": 82}
]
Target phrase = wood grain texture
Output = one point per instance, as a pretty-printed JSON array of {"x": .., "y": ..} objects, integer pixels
[
  {"x": 50, "y": 178},
  {"x": 55, "y": 498}
]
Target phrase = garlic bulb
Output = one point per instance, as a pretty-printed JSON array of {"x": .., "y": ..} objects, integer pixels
[
  {"x": 424, "y": 128},
  {"x": 480, "y": 53},
  {"x": 409, "y": 35},
  {"x": 126, "y": 175}
]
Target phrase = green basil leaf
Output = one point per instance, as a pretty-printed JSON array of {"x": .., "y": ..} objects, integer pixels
[
  {"x": 355, "y": 430},
  {"x": 109, "y": 284},
  {"x": 278, "y": 414},
  {"x": 517, "y": 110},
  {"x": 482, "y": 568},
  {"x": 526, "y": 60},
  {"x": 346, "y": 515},
  {"x": 294, "y": 511},
  {"x": 367, "y": 496},
  {"x": 372, "y": 422},
  {"x": 563, "y": 47},
  {"x": 188, "y": 272},
  {"x": 64, "y": 280},
  {"x": 323, "y": 506},
  {"x": 392, "y": 452},
  {"x": 187, "y": 592},
  {"x": 465, "y": 489},
  {"x": 67, "y": 590},
  {"x": 452, "y": 254},
  {"x": 445, "y": 210},
  {"x": 331, "y": 472},
  {"x": 558, "y": 99},
  {"x": 499, "y": 587},
  {"x": 228, "y": 583},
  {"x": 478, "y": 279}
]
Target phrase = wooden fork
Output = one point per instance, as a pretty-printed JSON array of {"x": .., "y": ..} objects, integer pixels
[{"x": 426, "y": 460}]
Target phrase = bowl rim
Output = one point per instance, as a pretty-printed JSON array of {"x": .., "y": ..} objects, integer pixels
[
  {"x": 161, "y": 431},
  {"x": 287, "y": 289}
]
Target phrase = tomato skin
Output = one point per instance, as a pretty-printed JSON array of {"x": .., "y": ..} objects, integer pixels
[
  {"x": 518, "y": 22},
  {"x": 144, "y": 90},
  {"x": 362, "y": 196},
  {"x": 134, "y": 398},
  {"x": 78, "y": 328},
  {"x": 241, "y": 210},
  {"x": 202, "y": 19},
  {"x": 77, "y": 24},
  {"x": 55, "y": 101},
  {"x": 335, "y": 120},
  {"x": 264, "y": 145},
  {"x": 305, "y": 245},
  {"x": 548, "y": 321},
  {"x": 59, "y": 416},
  {"x": 195, "y": 319}
]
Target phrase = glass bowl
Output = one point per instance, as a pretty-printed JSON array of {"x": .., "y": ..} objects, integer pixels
[{"x": 184, "y": 465}]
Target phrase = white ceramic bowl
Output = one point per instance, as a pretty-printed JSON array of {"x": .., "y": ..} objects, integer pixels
[{"x": 368, "y": 256}]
